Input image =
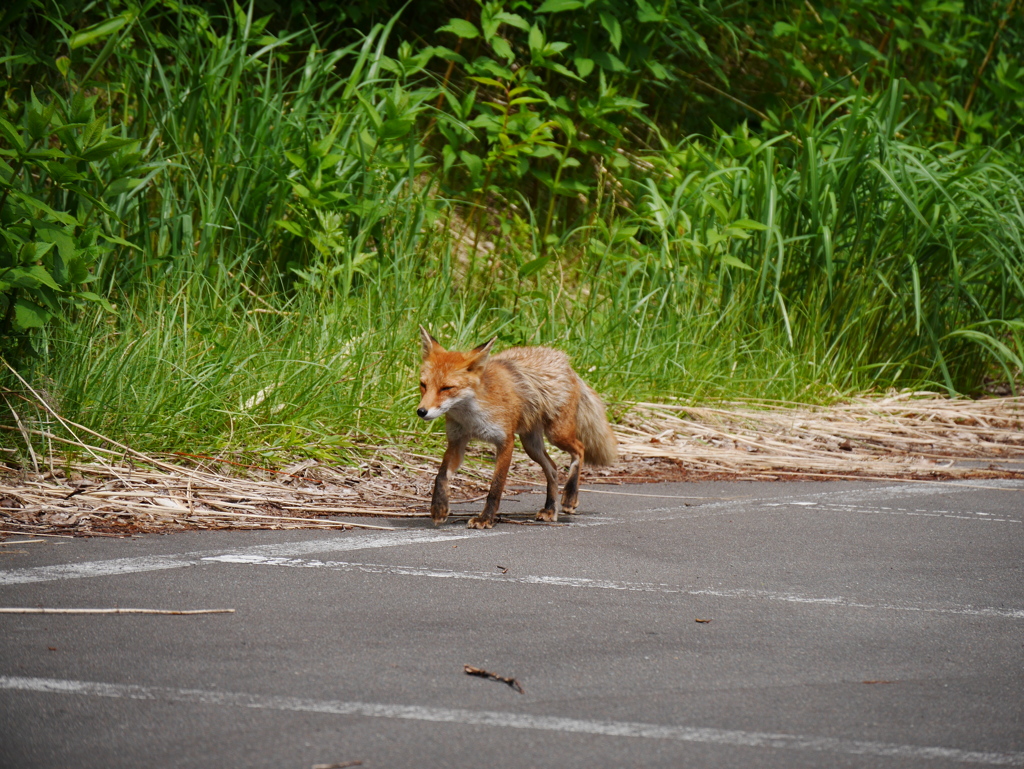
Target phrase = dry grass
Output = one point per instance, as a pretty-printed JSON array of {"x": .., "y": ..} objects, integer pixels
[
  {"x": 120, "y": 491},
  {"x": 917, "y": 435}
]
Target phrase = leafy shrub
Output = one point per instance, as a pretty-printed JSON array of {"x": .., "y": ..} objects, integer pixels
[{"x": 61, "y": 166}]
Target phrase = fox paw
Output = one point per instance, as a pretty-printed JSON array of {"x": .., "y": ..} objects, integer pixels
[
  {"x": 547, "y": 515},
  {"x": 438, "y": 515},
  {"x": 479, "y": 522}
]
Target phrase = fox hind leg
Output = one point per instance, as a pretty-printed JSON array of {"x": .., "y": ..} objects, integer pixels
[
  {"x": 566, "y": 440},
  {"x": 533, "y": 445}
]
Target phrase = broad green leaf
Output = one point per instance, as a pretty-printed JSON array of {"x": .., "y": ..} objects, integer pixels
[
  {"x": 448, "y": 54},
  {"x": 296, "y": 159},
  {"x": 536, "y": 39},
  {"x": 29, "y": 314},
  {"x": 120, "y": 241},
  {"x": 560, "y": 69},
  {"x": 396, "y": 128},
  {"x": 647, "y": 14},
  {"x": 291, "y": 227},
  {"x": 61, "y": 173},
  {"x": 60, "y": 237},
  {"x": 38, "y": 117},
  {"x": 39, "y": 273},
  {"x": 534, "y": 266},
  {"x": 609, "y": 62},
  {"x": 731, "y": 261},
  {"x": 105, "y": 148},
  {"x": 473, "y": 162},
  {"x": 489, "y": 81},
  {"x": 513, "y": 20},
  {"x": 371, "y": 112},
  {"x": 93, "y": 297},
  {"x": 449, "y": 157},
  {"x": 11, "y": 134},
  {"x": 657, "y": 70},
  {"x": 557, "y": 6},
  {"x": 612, "y": 27},
  {"x": 39, "y": 205},
  {"x": 462, "y": 28},
  {"x": 502, "y": 48},
  {"x": 78, "y": 271},
  {"x": 44, "y": 153},
  {"x": 98, "y": 31},
  {"x": 717, "y": 205}
]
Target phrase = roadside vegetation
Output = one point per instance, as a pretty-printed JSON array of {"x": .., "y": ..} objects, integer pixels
[{"x": 221, "y": 225}]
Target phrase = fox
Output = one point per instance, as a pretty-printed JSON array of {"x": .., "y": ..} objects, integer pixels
[{"x": 531, "y": 392}]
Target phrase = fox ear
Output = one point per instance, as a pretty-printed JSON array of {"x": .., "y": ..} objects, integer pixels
[
  {"x": 430, "y": 345},
  {"x": 479, "y": 354}
]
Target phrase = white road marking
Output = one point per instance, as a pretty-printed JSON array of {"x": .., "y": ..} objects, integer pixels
[
  {"x": 603, "y": 584},
  {"x": 964, "y": 515},
  {"x": 511, "y": 720},
  {"x": 116, "y": 566}
]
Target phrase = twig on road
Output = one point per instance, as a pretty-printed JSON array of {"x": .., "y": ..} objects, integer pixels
[{"x": 481, "y": 673}]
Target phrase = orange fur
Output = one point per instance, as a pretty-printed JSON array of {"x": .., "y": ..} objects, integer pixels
[{"x": 532, "y": 392}]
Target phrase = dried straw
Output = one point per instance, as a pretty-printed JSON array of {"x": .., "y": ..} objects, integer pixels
[
  {"x": 917, "y": 435},
  {"x": 119, "y": 490}
]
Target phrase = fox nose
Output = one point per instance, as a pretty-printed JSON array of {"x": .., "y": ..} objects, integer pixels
[{"x": 421, "y": 412}]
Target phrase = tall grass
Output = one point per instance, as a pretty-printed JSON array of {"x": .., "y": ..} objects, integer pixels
[
  {"x": 289, "y": 236},
  {"x": 896, "y": 262}
]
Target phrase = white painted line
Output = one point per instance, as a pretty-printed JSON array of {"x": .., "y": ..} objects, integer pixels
[
  {"x": 603, "y": 584},
  {"x": 963, "y": 515},
  {"x": 510, "y": 720},
  {"x": 353, "y": 541}
]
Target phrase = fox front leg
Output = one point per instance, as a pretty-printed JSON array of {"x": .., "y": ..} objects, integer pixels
[
  {"x": 501, "y": 464},
  {"x": 449, "y": 465}
]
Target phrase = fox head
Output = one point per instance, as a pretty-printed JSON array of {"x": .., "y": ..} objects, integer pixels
[{"x": 448, "y": 378}]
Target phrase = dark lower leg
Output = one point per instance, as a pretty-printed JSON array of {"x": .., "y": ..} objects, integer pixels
[
  {"x": 486, "y": 519},
  {"x": 449, "y": 464},
  {"x": 571, "y": 492},
  {"x": 533, "y": 444}
]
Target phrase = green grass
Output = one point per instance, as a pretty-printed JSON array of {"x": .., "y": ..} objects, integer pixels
[
  {"x": 290, "y": 234},
  {"x": 198, "y": 371}
]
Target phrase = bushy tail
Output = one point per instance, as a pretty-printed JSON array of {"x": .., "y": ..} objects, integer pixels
[{"x": 593, "y": 430}]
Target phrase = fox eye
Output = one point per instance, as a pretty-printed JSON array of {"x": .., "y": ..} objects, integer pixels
[
  {"x": 446, "y": 388},
  {"x": 423, "y": 385}
]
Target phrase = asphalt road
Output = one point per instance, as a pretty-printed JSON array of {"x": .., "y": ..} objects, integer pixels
[{"x": 698, "y": 625}]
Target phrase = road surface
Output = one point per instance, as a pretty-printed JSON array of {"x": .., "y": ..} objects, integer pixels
[{"x": 701, "y": 625}]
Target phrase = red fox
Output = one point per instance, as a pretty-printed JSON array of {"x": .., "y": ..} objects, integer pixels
[{"x": 532, "y": 391}]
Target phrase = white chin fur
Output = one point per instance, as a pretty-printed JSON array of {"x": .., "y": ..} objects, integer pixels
[{"x": 457, "y": 402}]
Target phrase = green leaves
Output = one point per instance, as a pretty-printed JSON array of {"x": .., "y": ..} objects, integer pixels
[
  {"x": 57, "y": 223},
  {"x": 29, "y": 315},
  {"x": 99, "y": 31},
  {"x": 462, "y": 28},
  {"x": 559, "y": 6}
]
